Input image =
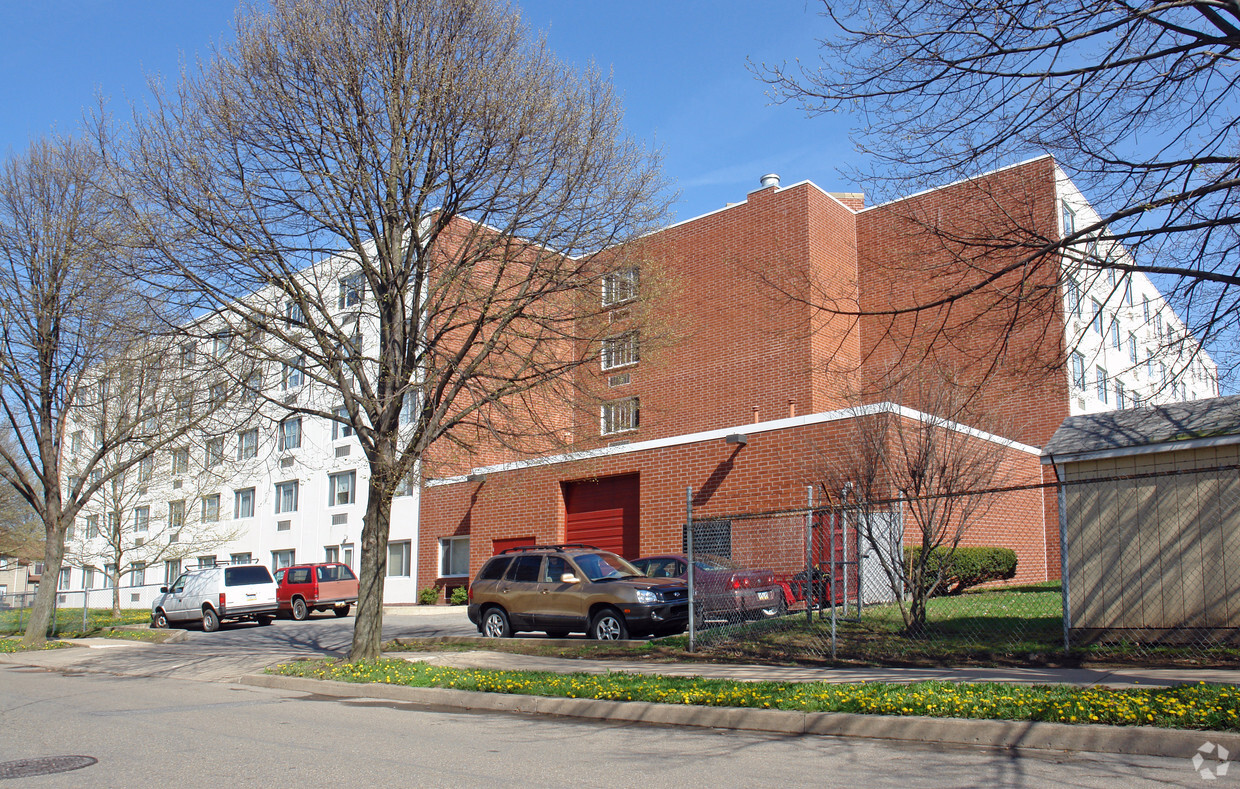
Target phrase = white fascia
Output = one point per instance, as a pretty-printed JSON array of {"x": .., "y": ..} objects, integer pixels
[{"x": 746, "y": 429}]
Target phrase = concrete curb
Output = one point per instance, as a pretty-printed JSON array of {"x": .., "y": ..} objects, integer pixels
[{"x": 1134, "y": 740}]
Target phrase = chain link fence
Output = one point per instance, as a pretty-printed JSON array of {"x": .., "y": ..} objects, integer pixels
[
  {"x": 80, "y": 610},
  {"x": 1151, "y": 575}
]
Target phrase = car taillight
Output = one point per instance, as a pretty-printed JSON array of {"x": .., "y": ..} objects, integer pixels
[
  {"x": 221, "y": 608},
  {"x": 470, "y": 592},
  {"x": 739, "y": 583}
]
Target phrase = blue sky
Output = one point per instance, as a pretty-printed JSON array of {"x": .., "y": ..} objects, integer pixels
[{"x": 680, "y": 65}]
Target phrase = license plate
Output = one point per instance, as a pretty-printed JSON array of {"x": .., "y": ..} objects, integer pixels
[
  {"x": 764, "y": 595},
  {"x": 251, "y": 596}
]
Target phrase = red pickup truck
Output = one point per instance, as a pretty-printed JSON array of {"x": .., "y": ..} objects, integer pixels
[{"x": 316, "y": 587}]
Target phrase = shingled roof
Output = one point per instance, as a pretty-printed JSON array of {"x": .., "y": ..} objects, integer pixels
[{"x": 1147, "y": 429}]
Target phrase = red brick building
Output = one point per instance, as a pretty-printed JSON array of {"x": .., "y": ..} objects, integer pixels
[{"x": 755, "y": 355}]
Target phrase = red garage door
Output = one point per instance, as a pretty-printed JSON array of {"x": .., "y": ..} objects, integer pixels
[
  {"x": 501, "y": 545},
  {"x": 604, "y": 513}
]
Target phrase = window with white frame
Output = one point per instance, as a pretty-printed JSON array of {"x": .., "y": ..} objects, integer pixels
[
  {"x": 282, "y": 559},
  {"x": 293, "y": 373},
  {"x": 91, "y": 526},
  {"x": 619, "y": 351},
  {"x": 405, "y": 486},
  {"x": 211, "y": 508},
  {"x": 453, "y": 557},
  {"x": 293, "y": 315},
  {"x": 1074, "y": 297},
  {"x": 1103, "y": 383},
  {"x": 241, "y": 558},
  {"x": 399, "y": 559},
  {"x": 247, "y": 444},
  {"x": 289, "y": 434},
  {"x": 1132, "y": 348},
  {"x": 176, "y": 514},
  {"x": 141, "y": 519},
  {"x": 243, "y": 503},
  {"x": 188, "y": 355},
  {"x": 180, "y": 460},
  {"x": 286, "y": 496},
  {"x": 1128, "y": 290},
  {"x": 331, "y": 553},
  {"x": 352, "y": 289},
  {"x": 619, "y": 416},
  {"x": 109, "y": 576},
  {"x": 214, "y": 454},
  {"x": 1096, "y": 320},
  {"x": 1158, "y": 325},
  {"x": 216, "y": 395},
  {"x": 620, "y": 286},
  {"x": 341, "y": 488},
  {"x": 172, "y": 571},
  {"x": 342, "y": 428},
  {"x": 1069, "y": 219},
  {"x": 251, "y": 387},
  {"x": 65, "y": 579},
  {"x": 75, "y": 441},
  {"x": 206, "y": 561},
  {"x": 137, "y": 574},
  {"x": 89, "y": 577},
  {"x": 1121, "y": 394},
  {"x": 407, "y": 404},
  {"x": 1116, "y": 341},
  {"x": 220, "y": 342}
]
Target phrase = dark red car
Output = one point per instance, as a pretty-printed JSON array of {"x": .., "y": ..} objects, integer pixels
[
  {"x": 316, "y": 587},
  {"x": 723, "y": 589}
]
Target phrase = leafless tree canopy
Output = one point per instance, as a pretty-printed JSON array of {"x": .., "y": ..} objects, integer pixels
[
  {"x": 1138, "y": 104},
  {"x": 425, "y": 170}
]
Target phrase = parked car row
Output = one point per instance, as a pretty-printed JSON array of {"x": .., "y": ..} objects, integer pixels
[{"x": 248, "y": 592}]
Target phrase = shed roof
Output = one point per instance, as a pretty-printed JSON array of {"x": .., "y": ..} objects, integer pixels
[{"x": 1148, "y": 429}]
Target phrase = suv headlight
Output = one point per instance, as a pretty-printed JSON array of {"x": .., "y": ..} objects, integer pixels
[{"x": 647, "y": 596}]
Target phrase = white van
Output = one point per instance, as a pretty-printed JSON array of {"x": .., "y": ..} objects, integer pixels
[{"x": 215, "y": 594}]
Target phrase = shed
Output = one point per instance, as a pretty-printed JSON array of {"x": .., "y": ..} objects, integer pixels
[{"x": 1150, "y": 522}]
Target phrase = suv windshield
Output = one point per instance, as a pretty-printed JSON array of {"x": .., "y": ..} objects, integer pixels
[{"x": 604, "y": 566}]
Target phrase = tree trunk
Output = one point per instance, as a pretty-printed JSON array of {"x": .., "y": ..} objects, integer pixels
[
  {"x": 368, "y": 622},
  {"x": 45, "y": 597}
]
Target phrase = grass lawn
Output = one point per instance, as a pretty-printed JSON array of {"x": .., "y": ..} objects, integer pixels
[
  {"x": 15, "y": 645},
  {"x": 69, "y": 620},
  {"x": 1202, "y": 706}
]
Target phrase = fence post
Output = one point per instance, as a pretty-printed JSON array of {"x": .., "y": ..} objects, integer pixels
[
  {"x": 835, "y": 520},
  {"x": 1063, "y": 565},
  {"x": 807, "y": 588},
  {"x": 689, "y": 556}
]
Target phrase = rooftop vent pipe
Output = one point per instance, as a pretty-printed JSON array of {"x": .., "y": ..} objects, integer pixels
[{"x": 769, "y": 180}]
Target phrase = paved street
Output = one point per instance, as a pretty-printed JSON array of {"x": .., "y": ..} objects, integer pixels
[{"x": 167, "y": 731}]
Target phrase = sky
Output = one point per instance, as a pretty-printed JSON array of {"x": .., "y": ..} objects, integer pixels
[{"x": 680, "y": 65}]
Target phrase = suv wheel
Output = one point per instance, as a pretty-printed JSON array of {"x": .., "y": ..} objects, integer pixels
[
  {"x": 210, "y": 620},
  {"x": 608, "y": 625},
  {"x": 495, "y": 624},
  {"x": 300, "y": 612},
  {"x": 341, "y": 610},
  {"x": 160, "y": 620}
]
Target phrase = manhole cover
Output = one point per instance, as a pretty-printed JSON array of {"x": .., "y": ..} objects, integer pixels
[{"x": 44, "y": 765}]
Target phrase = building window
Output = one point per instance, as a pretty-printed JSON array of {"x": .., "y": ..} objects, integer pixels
[
  {"x": 206, "y": 561},
  {"x": 399, "y": 559},
  {"x": 243, "y": 503},
  {"x": 91, "y": 527},
  {"x": 252, "y": 387},
  {"x": 286, "y": 497},
  {"x": 405, "y": 486},
  {"x": 352, "y": 288},
  {"x": 289, "y": 436},
  {"x": 1102, "y": 383},
  {"x": 407, "y": 403},
  {"x": 341, "y": 488},
  {"x": 293, "y": 315},
  {"x": 453, "y": 557},
  {"x": 619, "y": 416},
  {"x": 215, "y": 395},
  {"x": 176, "y": 514},
  {"x": 1074, "y": 297},
  {"x": 220, "y": 343},
  {"x": 1078, "y": 371},
  {"x": 215, "y": 452},
  {"x": 342, "y": 428},
  {"x": 180, "y": 461},
  {"x": 89, "y": 576},
  {"x": 1158, "y": 325},
  {"x": 247, "y": 444},
  {"x": 1121, "y": 396},
  {"x": 65, "y": 579},
  {"x": 187, "y": 355},
  {"x": 172, "y": 571},
  {"x": 1132, "y": 348},
  {"x": 1069, "y": 219},
  {"x": 146, "y": 469},
  {"x": 241, "y": 558},
  {"x": 1128, "y": 290},
  {"x": 75, "y": 441},
  {"x": 109, "y": 576},
  {"x": 137, "y": 574},
  {"x": 141, "y": 519},
  {"x": 211, "y": 508},
  {"x": 1116, "y": 341},
  {"x": 1097, "y": 316},
  {"x": 619, "y": 351},
  {"x": 331, "y": 553},
  {"x": 282, "y": 559},
  {"x": 293, "y": 373},
  {"x": 620, "y": 286}
]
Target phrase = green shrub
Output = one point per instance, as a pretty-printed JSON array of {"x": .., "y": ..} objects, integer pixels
[
  {"x": 963, "y": 567},
  {"x": 429, "y": 595},
  {"x": 459, "y": 596}
]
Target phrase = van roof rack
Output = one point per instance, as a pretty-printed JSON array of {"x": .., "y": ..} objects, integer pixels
[{"x": 561, "y": 547}]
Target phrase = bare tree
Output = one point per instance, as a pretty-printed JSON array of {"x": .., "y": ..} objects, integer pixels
[
  {"x": 406, "y": 201},
  {"x": 927, "y": 466},
  {"x": 1136, "y": 102}
]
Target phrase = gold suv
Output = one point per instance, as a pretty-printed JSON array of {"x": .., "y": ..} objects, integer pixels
[{"x": 562, "y": 589}]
